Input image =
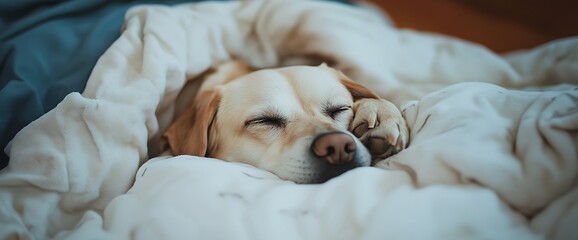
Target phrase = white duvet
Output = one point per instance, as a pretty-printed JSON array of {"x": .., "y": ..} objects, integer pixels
[{"x": 484, "y": 162}]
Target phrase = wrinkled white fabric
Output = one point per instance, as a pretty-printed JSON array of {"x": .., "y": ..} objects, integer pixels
[{"x": 484, "y": 162}]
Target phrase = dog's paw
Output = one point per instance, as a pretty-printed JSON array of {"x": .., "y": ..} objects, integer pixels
[{"x": 380, "y": 127}]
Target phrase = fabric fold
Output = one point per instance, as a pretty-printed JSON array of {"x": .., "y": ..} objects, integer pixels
[{"x": 482, "y": 158}]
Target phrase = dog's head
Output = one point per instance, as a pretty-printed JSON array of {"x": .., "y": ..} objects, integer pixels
[{"x": 290, "y": 121}]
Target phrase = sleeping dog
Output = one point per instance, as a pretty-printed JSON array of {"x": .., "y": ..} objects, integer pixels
[{"x": 305, "y": 124}]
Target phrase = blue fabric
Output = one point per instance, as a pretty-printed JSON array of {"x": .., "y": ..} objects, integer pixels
[{"x": 47, "y": 50}]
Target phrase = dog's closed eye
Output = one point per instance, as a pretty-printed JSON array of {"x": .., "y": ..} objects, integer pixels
[
  {"x": 334, "y": 111},
  {"x": 268, "y": 120}
]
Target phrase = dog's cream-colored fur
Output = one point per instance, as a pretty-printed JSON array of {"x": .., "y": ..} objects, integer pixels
[{"x": 233, "y": 118}]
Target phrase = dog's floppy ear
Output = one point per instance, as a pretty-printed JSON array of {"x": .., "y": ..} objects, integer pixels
[
  {"x": 189, "y": 134},
  {"x": 357, "y": 90}
]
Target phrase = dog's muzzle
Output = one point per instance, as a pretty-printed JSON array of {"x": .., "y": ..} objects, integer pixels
[
  {"x": 334, "y": 147},
  {"x": 337, "y": 152}
]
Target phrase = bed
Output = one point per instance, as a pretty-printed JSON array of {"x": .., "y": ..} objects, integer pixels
[{"x": 492, "y": 154}]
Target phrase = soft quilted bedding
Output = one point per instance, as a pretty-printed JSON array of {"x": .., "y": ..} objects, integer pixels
[{"x": 493, "y": 151}]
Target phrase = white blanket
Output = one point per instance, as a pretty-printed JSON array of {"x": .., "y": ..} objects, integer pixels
[{"x": 484, "y": 162}]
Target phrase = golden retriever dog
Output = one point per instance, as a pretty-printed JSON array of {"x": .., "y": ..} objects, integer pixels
[{"x": 305, "y": 124}]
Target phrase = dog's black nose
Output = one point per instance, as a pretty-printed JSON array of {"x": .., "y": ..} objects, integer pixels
[{"x": 335, "y": 147}]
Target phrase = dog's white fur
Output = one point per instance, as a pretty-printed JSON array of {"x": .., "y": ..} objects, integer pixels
[{"x": 269, "y": 119}]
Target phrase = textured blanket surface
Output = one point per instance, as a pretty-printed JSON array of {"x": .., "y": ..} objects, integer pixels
[
  {"x": 493, "y": 151},
  {"x": 47, "y": 50}
]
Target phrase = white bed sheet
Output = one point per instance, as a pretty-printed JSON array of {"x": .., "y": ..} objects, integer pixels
[{"x": 484, "y": 162}]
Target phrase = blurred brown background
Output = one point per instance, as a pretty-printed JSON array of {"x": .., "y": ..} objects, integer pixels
[{"x": 501, "y": 25}]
